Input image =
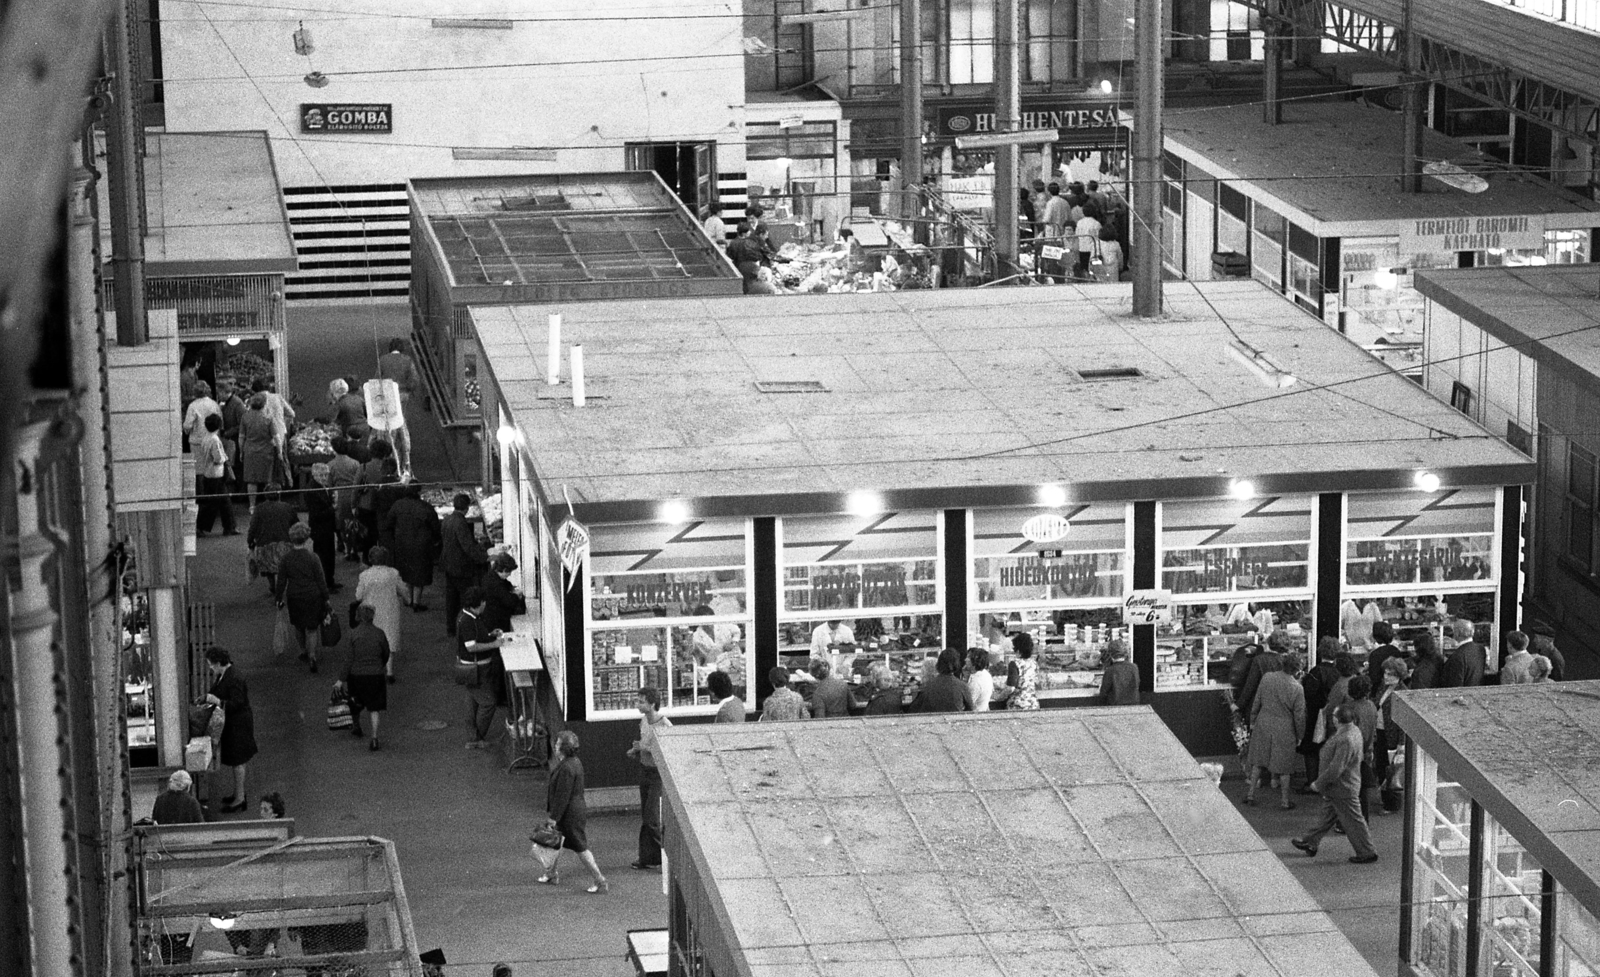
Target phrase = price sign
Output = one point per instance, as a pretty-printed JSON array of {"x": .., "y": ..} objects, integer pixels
[
  {"x": 1051, "y": 253},
  {"x": 1147, "y": 607}
]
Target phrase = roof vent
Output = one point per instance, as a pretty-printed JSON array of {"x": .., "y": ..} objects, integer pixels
[
  {"x": 1112, "y": 373},
  {"x": 536, "y": 202},
  {"x": 791, "y": 387}
]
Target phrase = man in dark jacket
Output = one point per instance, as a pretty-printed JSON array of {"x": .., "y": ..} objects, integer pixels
[
  {"x": 1464, "y": 667},
  {"x": 1119, "y": 686},
  {"x": 748, "y": 256},
  {"x": 946, "y": 692},
  {"x": 1383, "y": 634},
  {"x": 462, "y": 558},
  {"x": 1340, "y": 787}
]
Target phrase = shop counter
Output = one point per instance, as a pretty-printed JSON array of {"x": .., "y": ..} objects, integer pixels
[{"x": 523, "y": 657}]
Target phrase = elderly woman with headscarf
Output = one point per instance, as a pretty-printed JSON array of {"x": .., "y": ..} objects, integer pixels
[{"x": 323, "y": 519}]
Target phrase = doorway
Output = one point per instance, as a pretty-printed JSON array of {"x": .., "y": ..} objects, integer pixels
[{"x": 688, "y": 168}]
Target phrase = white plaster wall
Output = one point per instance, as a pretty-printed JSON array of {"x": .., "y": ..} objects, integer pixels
[{"x": 233, "y": 68}]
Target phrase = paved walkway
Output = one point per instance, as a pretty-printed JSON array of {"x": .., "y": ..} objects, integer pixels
[{"x": 460, "y": 822}]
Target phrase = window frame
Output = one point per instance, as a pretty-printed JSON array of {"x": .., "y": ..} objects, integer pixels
[{"x": 1573, "y": 508}]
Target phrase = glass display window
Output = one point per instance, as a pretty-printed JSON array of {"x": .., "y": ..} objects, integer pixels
[
  {"x": 1197, "y": 647},
  {"x": 1577, "y": 938},
  {"x": 1442, "y": 872},
  {"x": 1434, "y": 541},
  {"x": 851, "y": 582},
  {"x": 666, "y": 606},
  {"x": 1228, "y": 546},
  {"x": 1067, "y": 593},
  {"x": 139, "y": 701},
  {"x": 1412, "y": 615},
  {"x": 1511, "y": 916}
]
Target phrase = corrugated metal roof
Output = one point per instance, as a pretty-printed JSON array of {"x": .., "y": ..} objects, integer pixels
[
  {"x": 1081, "y": 841},
  {"x": 1530, "y": 754}
]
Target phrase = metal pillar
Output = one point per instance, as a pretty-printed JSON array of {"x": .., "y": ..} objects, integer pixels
[
  {"x": 1272, "y": 74},
  {"x": 1412, "y": 115},
  {"x": 1008, "y": 118},
  {"x": 124, "y": 138},
  {"x": 1147, "y": 177},
  {"x": 910, "y": 108}
]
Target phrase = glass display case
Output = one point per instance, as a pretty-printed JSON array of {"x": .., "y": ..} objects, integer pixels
[
  {"x": 138, "y": 689},
  {"x": 666, "y": 606},
  {"x": 1442, "y": 872},
  {"x": 1069, "y": 645},
  {"x": 1512, "y": 890},
  {"x": 1196, "y": 648}
]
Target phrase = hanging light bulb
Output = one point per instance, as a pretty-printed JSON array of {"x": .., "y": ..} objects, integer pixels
[{"x": 317, "y": 79}]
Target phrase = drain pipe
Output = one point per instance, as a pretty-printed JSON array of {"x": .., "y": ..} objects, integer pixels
[{"x": 39, "y": 708}]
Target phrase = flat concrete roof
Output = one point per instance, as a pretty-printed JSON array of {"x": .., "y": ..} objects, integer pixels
[
  {"x": 1530, "y": 754},
  {"x": 1333, "y": 168},
  {"x": 1063, "y": 842},
  {"x": 1550, "y": 312},
  {"x": 962, "y": 397},
  {"x": 214, "y": 206}
]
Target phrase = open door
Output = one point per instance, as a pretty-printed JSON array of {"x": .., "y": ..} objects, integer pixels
[{"x": 689, "y": 168}]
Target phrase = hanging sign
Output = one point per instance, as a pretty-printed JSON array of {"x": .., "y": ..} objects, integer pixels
[
  {"x": 1435, "y": 234},
  {"x": 384, "y": 412},
  {"x": 974, "y": 119},
  {"x": 572, "y": 540},
  {"x": 1046, "y": 527},
  {"x": 365, "y": 117},
  {"x": 1147, "y": 607}
]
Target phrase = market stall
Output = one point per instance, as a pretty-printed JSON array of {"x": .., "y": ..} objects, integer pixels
[
  {"x": 1500, "y": 875},
  {"x": 688, "y": 520},
  {"x": 1313, "y": 208}
]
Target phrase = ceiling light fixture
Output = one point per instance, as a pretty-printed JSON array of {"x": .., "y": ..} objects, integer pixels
[
  {"x": 505, "y": 434},
  {"x": 674, "y": 511},
  {"x": 1426, "y": 481},
  {"x": 863, "y": 503},
  {"x": 1266, "y": 369},
  {"x": 224, "y": 921},
  {"x": 1052, "y": 496},
  {"x": 1242, "y": 489}
]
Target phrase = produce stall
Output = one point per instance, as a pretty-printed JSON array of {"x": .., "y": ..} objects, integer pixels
[{"x": 737, "y": 481}]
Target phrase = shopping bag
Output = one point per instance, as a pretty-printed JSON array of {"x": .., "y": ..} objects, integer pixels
[
  {"x": 339, "y": 709},
  {"x": 282, "y": 632},
  {"x": 547, "y": 841},
  {"x": 546, "y": 857},
  {"x": 200, "y": 719},
  {"x": 197, "y": 754},
  {"x": 331, "y": 630}
]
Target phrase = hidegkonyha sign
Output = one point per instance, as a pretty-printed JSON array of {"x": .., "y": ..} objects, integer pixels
[
  {"x": 1073, "y": 118},
  {"x": 363, "y": 117}
]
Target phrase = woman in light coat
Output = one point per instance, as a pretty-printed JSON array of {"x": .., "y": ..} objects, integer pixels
[
  {"x": 380, "y": 588},
  {"x": 1277, "y": 721}
]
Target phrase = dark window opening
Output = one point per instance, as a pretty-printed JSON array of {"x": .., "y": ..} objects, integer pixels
[
  {"x": 1112, "y": 373},
  {"x": 1461, "y": 397}
]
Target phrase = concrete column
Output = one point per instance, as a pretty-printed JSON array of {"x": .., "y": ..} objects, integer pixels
[
  {"x": 910, "y": 108},
  {"x": 1146, "y": 230},
  {"x": 1412, "y": 112},
  {"x": 1272, "y": 75}
]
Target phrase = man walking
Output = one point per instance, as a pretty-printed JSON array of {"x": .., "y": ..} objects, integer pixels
[
  {"x": 462, "y": 558},
  {"x": 1119, "y": 686},
  {"x": 397, "y": 366},
  {"x": 651, "y": 721},
  {"x": 1339, "y": 783}
]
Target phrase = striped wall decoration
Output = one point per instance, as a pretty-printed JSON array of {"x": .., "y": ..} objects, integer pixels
[
  {"x": 352, "y": 242},
  {"x": 733, "y": 193}
]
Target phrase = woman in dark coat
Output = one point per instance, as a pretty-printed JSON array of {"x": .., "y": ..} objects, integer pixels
[
  {"x": 303, "y": 590},
  {"x": 372, "y": 497},
  {"x": 414, "y": 528},
  {"x": 364, "y": 672},
  {"x": 501, "y": 600},
  {"x": 1317, "y": 683},
  {"x": 268, "y": 535},
  {"x": 323, "y": 520},
  {"x": 565, "y": 804},
  {"x": 238, "y": 745}
]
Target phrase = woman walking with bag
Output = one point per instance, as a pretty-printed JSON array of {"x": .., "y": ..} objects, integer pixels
[
  {"x": 238, "y": 741},
  {"x": 364, "y": 673},
  {"x": 303, "y": 591},
  {"x": 380, "y": 588},
  {"x": 565, "y": 804}
]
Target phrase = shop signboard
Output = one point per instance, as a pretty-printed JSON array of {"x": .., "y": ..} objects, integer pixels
[
  {"x": 1047, "y": 527},
  {"x": 572, "y": 541},
  {"x": 1472, "y": 234},
  {"x": 347, "y": 117},
  {"x": 1069, "y": 118},
  {"x": 1147, "y": 607}
]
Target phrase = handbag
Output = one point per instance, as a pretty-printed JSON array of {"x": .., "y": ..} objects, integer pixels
[
  {"x": 547, "y": 835},
  {"x": 468, "y": 673},
  {"x": 339, "y": 709},
  {"x": 330, "y": 632},
  {"x": 200, "y": 719},
  {"x": 282, "y": 632}
]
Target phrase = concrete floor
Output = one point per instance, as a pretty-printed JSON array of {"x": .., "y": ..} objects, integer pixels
[{"x": 460, "y": 822}]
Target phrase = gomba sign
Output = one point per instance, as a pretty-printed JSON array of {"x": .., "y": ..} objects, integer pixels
[{"x": 369, "y": 117}]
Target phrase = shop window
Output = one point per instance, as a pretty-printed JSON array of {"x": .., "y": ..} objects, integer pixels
[
  {"x": 1236, "y": 33},
  {"x": 1236, "y": 569},
  {"x": 1421, "y": 539},
  {"x": 1511, "y": 915},
  {"x": 1461, "y": 397},
  {"x": 1442, "y": 872},
  {"x": 667, "y": 606},
  {"x": 1267, "y": 244},
  {"x": 877, "y": 577},
  {"x": 808, "y": 140},
  {"x": 934, "y": 55},
  {"x": 1580, "y": 508},
  {"x": 1066, "y": 594},
  {"x": 1577, "y": 938}
]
